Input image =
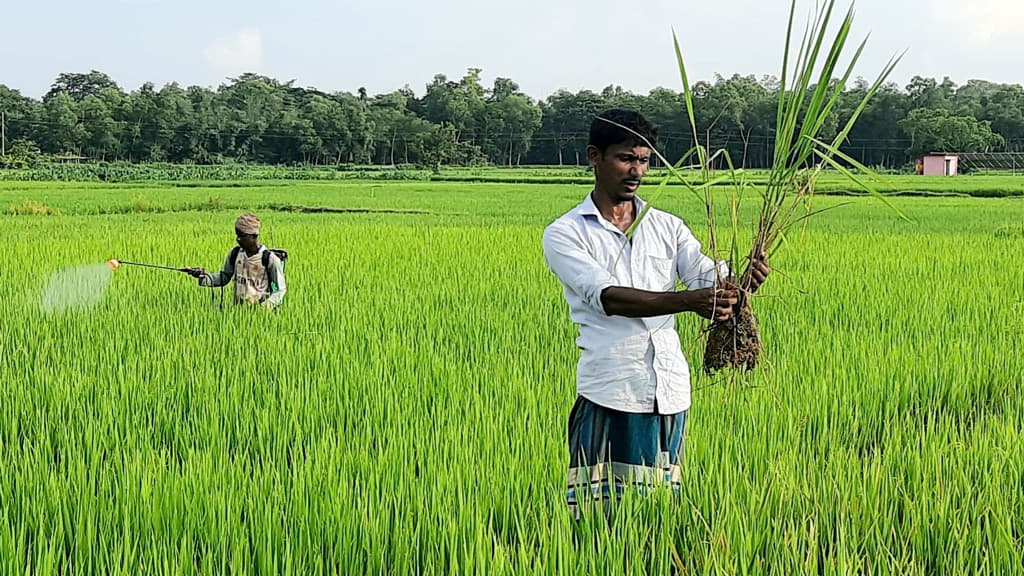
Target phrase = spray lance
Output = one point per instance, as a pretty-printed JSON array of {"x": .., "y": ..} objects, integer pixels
[{"x": 115, "y": 264}]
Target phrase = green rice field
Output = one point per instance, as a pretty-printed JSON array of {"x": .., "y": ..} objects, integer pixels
[{"x": 405, "y": 410}]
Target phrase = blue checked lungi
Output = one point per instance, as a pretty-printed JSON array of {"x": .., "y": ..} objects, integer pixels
[{"x": 611, "y": 450}]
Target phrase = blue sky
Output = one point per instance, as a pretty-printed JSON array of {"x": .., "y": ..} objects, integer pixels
[{"x": 544, "y": 45}]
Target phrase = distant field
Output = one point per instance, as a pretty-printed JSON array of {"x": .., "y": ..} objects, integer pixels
[
  {"x": 830, "y": 182},
  {"x": 405, "y": 411},
  {"x": 982, "y": 184}
]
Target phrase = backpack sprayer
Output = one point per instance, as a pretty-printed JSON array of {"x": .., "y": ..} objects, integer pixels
[{"x": 282, "y": 256}]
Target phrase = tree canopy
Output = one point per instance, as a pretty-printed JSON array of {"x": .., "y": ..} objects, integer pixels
[{"x": 257, "y": 119}]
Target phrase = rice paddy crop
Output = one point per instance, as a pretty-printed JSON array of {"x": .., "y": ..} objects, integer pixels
[{"x": 405, "y": 410}]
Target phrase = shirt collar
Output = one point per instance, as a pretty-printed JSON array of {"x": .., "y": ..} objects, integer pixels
[
  {"x": 588, "y": 208},
  {"x": 259, "y": 251}
]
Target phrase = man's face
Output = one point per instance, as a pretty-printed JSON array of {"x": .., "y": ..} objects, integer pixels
[
  {"x": 620, "y": 169},
  {"x": 248, "y": 242}
]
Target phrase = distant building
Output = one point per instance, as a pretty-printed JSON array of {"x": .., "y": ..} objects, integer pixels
[
  {"x": 69, "y": 157},
  {"x": 939, "y": 165}
]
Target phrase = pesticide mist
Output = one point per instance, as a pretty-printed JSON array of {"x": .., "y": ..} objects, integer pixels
[{"x": 80, "y": 287}]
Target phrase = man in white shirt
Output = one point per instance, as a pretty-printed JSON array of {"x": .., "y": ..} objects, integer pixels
[{"x": 633, "y": 383}]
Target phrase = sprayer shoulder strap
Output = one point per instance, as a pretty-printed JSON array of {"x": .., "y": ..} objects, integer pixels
[{"x": 264, "y": 258}]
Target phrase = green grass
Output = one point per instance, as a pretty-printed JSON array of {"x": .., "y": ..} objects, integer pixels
[
  {"x": 405, "y": 411},
  {"x": 219, "y": 178},
  {"x": 831, "y": 182}
]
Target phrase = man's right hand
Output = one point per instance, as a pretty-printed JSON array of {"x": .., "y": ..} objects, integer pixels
[
  {"x": 714, "y": 303},
  {"x": 196, "y": 272}
]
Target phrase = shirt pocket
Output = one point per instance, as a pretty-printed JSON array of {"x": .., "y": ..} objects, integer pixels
[{"x": 661, "y": 276}]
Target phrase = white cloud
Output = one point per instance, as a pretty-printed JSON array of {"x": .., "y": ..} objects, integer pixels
[
  {"x": 237, "y": 54},
  {"x": 983, "y": 22}
]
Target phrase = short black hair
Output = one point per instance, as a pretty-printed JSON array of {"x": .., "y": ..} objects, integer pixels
[{"x": 603, "y": 133}]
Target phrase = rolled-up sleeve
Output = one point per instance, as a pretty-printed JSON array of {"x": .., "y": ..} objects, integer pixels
[
  {"x": 275, "y": 270},
  {"x": 567, "y": 256},
  {"x": 696, "y": 270}
]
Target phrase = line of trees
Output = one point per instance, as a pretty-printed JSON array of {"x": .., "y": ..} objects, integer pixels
[{"x": 258, "y": 119}]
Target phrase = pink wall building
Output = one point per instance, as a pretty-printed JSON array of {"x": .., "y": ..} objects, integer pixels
[{"x": 941, "y": 164}]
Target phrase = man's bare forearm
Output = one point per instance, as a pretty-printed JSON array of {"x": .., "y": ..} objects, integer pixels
[{"x": 635, "y": 303}]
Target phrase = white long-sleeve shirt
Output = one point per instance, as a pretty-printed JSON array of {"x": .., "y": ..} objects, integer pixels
[{"x": 627, "y": 363}]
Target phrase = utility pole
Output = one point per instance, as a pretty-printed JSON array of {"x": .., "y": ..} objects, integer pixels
[{"x": 3, "y": 134}]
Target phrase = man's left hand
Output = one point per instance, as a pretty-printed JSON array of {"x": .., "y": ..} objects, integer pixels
[{"x": 756, "y": 273}]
